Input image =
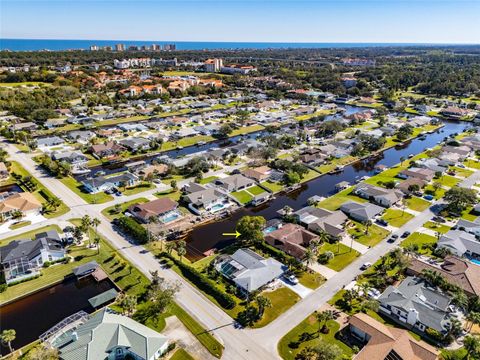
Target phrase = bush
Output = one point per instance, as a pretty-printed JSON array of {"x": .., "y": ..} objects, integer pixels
[
  {"x": 3, "y": 287},
  {"x": 46, "y": 264},
  {"x": 203, "y": 283},
  {"x": 434, "y": 334}
]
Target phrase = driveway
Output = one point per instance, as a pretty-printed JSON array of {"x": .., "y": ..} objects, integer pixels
[{"x": 301, "y": 290}]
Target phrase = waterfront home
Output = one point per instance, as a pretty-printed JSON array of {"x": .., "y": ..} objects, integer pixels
[
  {"x": 132, "y": 127},
  {"x": 361, "y": 212},
  {"x": 4, "y": 174},
  {"x": 460, "y": 243},
  {"x": 312, "y": 156},
  {"x": 321, "y": 220},
  {"x": 135, "y": 144},
  {"x": 435, "y": 165},
  {"x": 49, "y": 141},
  {"x": 184, "y": 133},
  {"x": 205, "y": 200},
  {"x": 417, "y": 305},
  {"x": 453, "y": 269},
  {"x": 109, "y": 336},
  {"x": 154, "y": 169},
  {"x": 387, "y": 342},
  {"x": 248, "y": 270},
  {"x": 24, "y": 258},
  {"x": 23, "y": 126},
  {"x": 74, "y": 158},
  {"x": 23, "y": 203},
  {"x": 107, "y": 150},
  {"x": 381, "y": 196},
  {"x": 409, "y": 184},
  {"x": 259, "y": 174},
  {"x": 463, "y": 151},
  {"x": 453, "y": 112},
  {"x": 292, "y": 239},
  {"x": 164, "y": 209},
  {"x": 424, "y": 174},
  {"x": 235, "y": 183},
  {"x": 101, "y": 183}
]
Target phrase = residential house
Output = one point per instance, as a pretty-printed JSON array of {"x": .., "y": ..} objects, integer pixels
[
  {"x": 155, "y": 169},
  {"x": 23, "y": 126},
  {"x": 24, "y": 258},
  {"x": 74, "y": 158},
  {"x": 109, "y": 336},
  {"x": 259, "y": 174},
  {"x": 455, "y": 270},
  {"x": 454, "y": 112},
  {"x": 321, "y": 220},
  {"x": 381, "y": 196},
  {"x": 54, "y": 123},
  {"x": 234, "y": 183},
  {"x": 406, "y": 186},
  {"x": 184, "y": 132},
  {"x": 460, "y": 243},
  {"x": 107, "y": 150},
  {"x": 433, "y": 164},
  {"x": 49, "y": 141},
  {"x": 81, "y": 136},
  {"x": 135, "y": 144},
  {"x": 24, "y": 203},
  {"x": 248, "y": 270},
  {"x": 201, "y": 199},
  {"x": 163, "y": 209},
  {"x": 361, "y": 212},
  {"x": 424, "y": 174},
  {"x": 383, "y": 342},
  {"x": 416, "y": 305},
  {"x": 4, "y": 174},
  {"x": 293, "y": 239},
  {"x": 101, "y": 183},
  {"x": 312, "y": 156},
  {"x": 472, "y": 227}
]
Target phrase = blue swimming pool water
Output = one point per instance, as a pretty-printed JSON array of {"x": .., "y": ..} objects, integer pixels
[
  {"x": 269, "y": 229},
  {"x": 475, "y": 261},
  {"x": 217, "y": 207},
  {"x": 170, "y": 218}
]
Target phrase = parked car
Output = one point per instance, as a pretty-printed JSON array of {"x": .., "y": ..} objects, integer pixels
[
  {"x": 392, "y": 239},
  {"x": 439, "y": 219},
  {"x": 382, "y": 222},
  {"x": 428, "y": 197},
  {"x": 292, "y": 279},
  {"x": 365, "y": 266},
  {"x": 406, "y": 234}
]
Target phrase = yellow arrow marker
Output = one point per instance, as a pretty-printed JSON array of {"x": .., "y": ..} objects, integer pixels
[{"x": 236, "y": 234}]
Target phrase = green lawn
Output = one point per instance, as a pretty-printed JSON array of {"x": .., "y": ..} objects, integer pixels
[
  {"x": 282, "y": 299},
  {"x": 311, "y": 279},
  {"x": 374, "y": 236},
  {"x": 312, "y": 174},
  {"x": 335, "y": 201},
  {"x": 208, "y": 180},
  {"x": 464, "y": 173},
  {"x": 397, "y": 218},
  {"x": 172, "y": 194},
  {"x": 246, "y": 130},
  {"x": 19, "y": 225},
  {"x": 242, "y": 196},
  {"x": 417, "y": 204},
  {"x": 273, "y": 186},
  {"x": 343, "y": 255},
  {"x": 181, "y": 354},
  {"x": 177, "y": 178},
  {"x": 291, "y": 344},
  {"x": 25, "y": 83},
  {"x": 472, "y": 164},
  {"x": 110, "y": 214},
  {"x": 436, "y": 194},
  {"x": 436, "y": 227},
  {"x": 255, "y": 190},
  {"x": 420, "y": 240},
  {"x": 77, "y": 188},
  {"x": 138, "y": 189},
  {"x": 449, "y": 181}
]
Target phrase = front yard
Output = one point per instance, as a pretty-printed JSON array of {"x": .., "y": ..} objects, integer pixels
[
  {"x": 112, "y": 212},
  {"x": 397, "y": 218},
  {"x": 422, "y": 241},
  {"x": 436, "y": 227},
  {"x": 343, "y": 255},
  {"x": 77, "y": 188},
  {"x": 374, "y": 236},
  {"x": 282, "y": 299},
  {"x": 417, "y": 204}
]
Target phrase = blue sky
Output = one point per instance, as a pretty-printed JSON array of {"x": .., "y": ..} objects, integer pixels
[{"x": 421, "y": 21}]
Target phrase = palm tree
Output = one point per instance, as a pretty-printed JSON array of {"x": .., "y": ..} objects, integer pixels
[
  {"x": 402, "y": 159},
  {"x": 169, "y": 247},
  {"x": 262, "y": 303},
  {"x": 95, "y": 222},
  {"x": 151, "y": 220},
  {"x": 181, "y": 249},
  {"x": 96, "y": 241},
  {"x": 309, "y": 257},
  {"x": 472, "y": 318},
  {"x": 322, "y": 318},
  {"x": 472, "y": 345},
  {"x": 459, "y": 298},
  {"x": 7, "y": 337},
  {"x": 433, "y": 277},
  {"x": 368, "y": 223},
  {"x": 85, "y": 225}
]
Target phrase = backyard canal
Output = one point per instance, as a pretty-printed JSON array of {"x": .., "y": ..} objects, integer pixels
[{"x": 204, "y": 238}]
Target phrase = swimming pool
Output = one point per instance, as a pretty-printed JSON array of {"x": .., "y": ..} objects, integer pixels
[
  {"x": 170, "y": 217},
  {"x": 217, "y": 207},
  {"x": 475, "y": 261},
  {"x": 270, "y": 229}
]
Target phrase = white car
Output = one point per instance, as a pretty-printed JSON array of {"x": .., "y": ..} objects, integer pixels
[
  {"x": 365, "y": 266},
  {"x": 292, "y": 279}
]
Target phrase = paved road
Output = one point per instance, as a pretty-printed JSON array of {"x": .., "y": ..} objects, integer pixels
[{"x": 239, "y": 344}]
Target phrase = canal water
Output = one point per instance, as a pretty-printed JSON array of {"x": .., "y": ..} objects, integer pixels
[
  {"x": 33, "y": 315},
  {"x": 209, "y": 236}
]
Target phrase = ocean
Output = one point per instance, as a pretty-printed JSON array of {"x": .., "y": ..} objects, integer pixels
[{"x": 48, "y": 44}]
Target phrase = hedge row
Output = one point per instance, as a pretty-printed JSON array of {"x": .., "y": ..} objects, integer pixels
[
  {"x": 276, "y": 253},
  {"x": 203, "y": 283},
  {"x": 133, "y": 228}
]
